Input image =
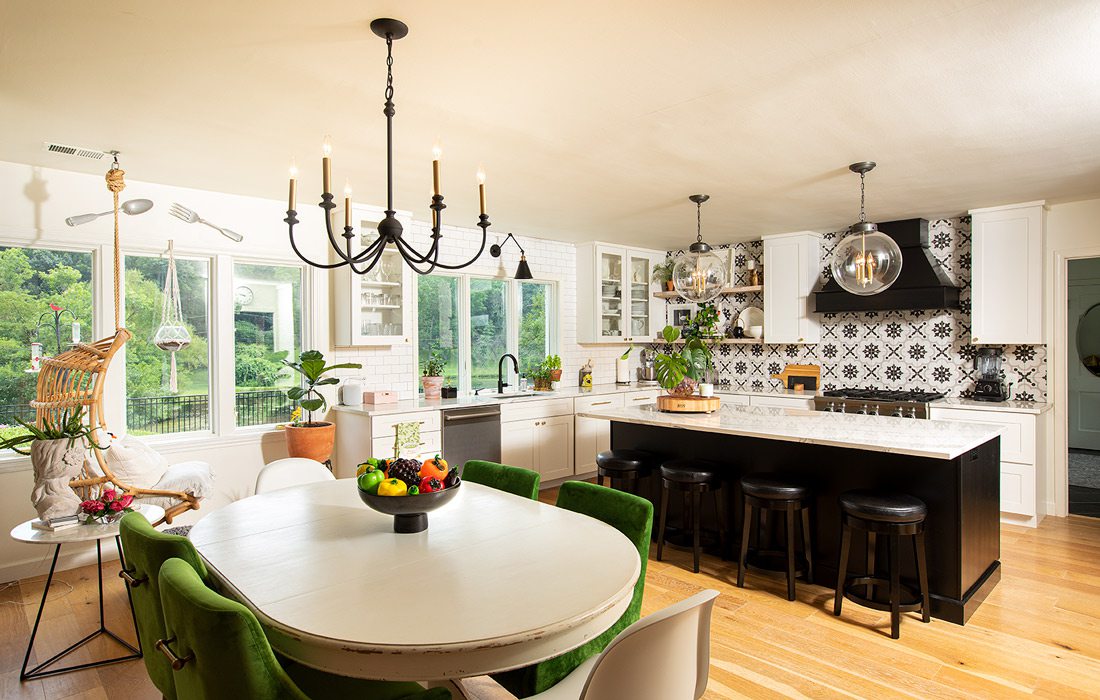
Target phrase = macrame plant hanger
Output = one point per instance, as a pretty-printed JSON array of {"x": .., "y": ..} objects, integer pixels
[{"x": 172, "y": 336}]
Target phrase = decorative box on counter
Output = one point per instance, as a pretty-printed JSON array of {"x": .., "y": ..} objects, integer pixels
[{"x": 377, "y": 397}]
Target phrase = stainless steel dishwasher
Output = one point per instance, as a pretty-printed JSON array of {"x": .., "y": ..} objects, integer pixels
[{"x": 472, "y": 432}]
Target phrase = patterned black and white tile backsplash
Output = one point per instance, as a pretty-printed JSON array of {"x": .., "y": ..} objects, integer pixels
[{"x": 922, "y": 350}]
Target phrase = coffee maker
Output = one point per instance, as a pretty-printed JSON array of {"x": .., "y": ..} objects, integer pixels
[{"x": 989, "y": 386}]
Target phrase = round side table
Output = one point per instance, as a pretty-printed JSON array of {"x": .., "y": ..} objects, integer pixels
[{"x": 80, "y": 533}]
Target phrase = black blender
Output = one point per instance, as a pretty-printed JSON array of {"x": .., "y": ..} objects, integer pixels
[{"x": 989, "y": 386}]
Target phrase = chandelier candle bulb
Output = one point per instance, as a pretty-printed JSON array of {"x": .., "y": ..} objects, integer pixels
[
  {"x": 293, "y": 197},
  {"x": 481, "y": 188},
  {"x": 437, "y": 151},
  {"x": 347, "y": 205},
  {"x": 326, "y": 165}
]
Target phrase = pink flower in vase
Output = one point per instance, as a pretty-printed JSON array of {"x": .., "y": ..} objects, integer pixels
[
  {"x": 116, "y": 506},
  {"x": 126, "y": 500},
  {"x": 90, "y": 506},
  {"x": 108, "y": 495}
]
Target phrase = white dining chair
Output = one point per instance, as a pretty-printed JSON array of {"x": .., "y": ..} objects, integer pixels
[
  {"x": 663, "y": 656},
  {"x": 292, "y": 471}
]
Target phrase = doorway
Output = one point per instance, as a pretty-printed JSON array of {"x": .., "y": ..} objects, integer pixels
[{"x": 1083, "y": 380}]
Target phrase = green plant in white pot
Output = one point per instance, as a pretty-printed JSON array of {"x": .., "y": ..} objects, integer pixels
[{"x": 312, "y": 439}]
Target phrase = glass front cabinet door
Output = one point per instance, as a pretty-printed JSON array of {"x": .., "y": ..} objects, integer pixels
[
  {"x": 615, "y": 302},
  {"x": 375, "y": 308}
]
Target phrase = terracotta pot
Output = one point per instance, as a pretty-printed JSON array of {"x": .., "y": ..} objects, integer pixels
[
  {"x": 431, "y": 385},
  {"x": 312, "y": 441},
  {"x": 555, "y": 375},
  {"x": 670, "y": 286}
]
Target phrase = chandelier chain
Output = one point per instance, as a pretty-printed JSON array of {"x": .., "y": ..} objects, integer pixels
[
  {"x": 862, "y": 216},
  {"x": 698, "y": 222},
  {"x": 389, "y": 69}
]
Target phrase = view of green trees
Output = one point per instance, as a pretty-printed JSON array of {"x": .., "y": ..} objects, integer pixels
[
  {"x": 437, "y": 302},
  {"x": 534, "y": 330}
]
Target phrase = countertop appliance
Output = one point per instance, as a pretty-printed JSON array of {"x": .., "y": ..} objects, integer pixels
[
  {"x": 647, "y": 373},
  {"x": 471, "y": 432},
  {"x": 877, "y": 402},
  {"x": 989, "y": 386}
]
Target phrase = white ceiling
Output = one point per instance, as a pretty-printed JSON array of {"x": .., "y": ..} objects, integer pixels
[{"x": 594, "y": 120}]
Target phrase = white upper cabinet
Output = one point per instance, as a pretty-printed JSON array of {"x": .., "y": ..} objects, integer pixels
[
  {"x": 375, "y": 308},
  {"x": 792, "y": 268},
  {"x": 615, "y": 301},
  {"x": 1007, "y": 275}
]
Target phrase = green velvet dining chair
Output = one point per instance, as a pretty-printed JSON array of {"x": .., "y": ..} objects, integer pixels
[
  {"x": 146, "y": 549},
  {"x": 219, "y": 652},
  {"x": 630, "y": 515},
  {"x": 516, "y": 480}
]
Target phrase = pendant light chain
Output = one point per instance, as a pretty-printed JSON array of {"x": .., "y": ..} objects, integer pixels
[
  {"x": 862, "y": 192},
  {"x": 698, "y": 222}
]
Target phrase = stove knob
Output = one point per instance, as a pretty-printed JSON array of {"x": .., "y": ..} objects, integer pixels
[
  {"x": 874, "y": 410},
  {"x": 862, "y": 410},
  {"x": 898, "y": 413},
  {"x": 913, "y": 412},
  {"x": 842, "y": 407}
]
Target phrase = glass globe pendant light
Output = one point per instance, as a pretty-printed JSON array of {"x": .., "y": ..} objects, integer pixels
[
  {"x": 699, "y": 274},
  {"x": 866, "y": 261}
]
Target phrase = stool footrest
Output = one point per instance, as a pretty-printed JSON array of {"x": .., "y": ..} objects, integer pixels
[{"x": 911, "y": 600}]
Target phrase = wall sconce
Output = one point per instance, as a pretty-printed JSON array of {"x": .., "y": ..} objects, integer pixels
[{"x": 523, "y": 272}]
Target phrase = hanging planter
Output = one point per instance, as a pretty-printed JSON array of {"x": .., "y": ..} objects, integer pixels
[{"x": 172, "y": 336}]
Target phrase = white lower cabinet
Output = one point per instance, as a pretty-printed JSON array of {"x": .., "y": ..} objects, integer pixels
[
  {"x": 592, "y": 435},
  {"x": 779, "y": 401},
  {"x": 360, "y": 436},
  {"x": 1019, "y": 439},
  {"x": 538, "y": 436}
]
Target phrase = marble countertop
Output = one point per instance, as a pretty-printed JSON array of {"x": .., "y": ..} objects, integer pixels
[
  {"x": 921, "y": 438},
  {"x": 1035, "y": 407}
]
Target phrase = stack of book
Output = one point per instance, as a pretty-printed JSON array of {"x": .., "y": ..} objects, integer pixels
[{"x": 55, "y": 524}]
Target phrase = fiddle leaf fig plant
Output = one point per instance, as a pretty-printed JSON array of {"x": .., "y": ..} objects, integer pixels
[{"x": 311, "y": 365}]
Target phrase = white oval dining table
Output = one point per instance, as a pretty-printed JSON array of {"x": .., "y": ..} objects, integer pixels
[{"x": 496, "y": 581}]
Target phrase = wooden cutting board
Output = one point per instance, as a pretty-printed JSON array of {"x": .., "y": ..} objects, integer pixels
[
  {"x": 808, "y": 376},
  {"x": 688, "y": 404}
]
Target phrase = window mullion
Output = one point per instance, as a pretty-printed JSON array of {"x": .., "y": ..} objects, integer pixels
[
  {"x": 465, "y": 354},
  {"x": 221, "y": 347}
]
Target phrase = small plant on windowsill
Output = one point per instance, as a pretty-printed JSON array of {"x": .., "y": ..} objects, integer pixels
[
  {"x": 312, "y": 439},
  {"x": 540, "y": 376},
  {"x": 553, "y": 364},
  {"x": 432, "y": 378}
]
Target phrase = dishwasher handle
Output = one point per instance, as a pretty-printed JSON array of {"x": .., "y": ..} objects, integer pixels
[{"x": 447, "y": 418}]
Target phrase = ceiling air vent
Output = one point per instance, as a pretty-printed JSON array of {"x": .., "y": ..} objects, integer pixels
[{"x": 75, "y": 151}]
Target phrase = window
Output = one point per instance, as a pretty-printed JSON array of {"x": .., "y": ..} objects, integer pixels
[
  {"x": 267, "y": 329},
  {"x": 151, "y": 407},
  {"x": 438, "y": 323},
  {"x": 31, "y": 280},
  {"x": 536, "y": 317},
  {"x": 488, "y": 330}
]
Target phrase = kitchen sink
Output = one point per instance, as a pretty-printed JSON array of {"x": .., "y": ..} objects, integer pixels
[{"x": 515, "y": 395}]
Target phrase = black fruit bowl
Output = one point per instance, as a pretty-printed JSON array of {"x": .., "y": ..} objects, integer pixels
[{"x": 410, "y": 513}]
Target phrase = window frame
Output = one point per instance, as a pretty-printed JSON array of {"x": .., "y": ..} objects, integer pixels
[{"x": 513, "y": 307}]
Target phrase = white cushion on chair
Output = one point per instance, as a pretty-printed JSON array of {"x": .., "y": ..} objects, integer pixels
[
  {"x": 195, "y": 478},
  {"x": 134, "y": 463}
]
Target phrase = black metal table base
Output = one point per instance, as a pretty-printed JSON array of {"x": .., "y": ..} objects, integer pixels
[{"x": 41, "y": 670}]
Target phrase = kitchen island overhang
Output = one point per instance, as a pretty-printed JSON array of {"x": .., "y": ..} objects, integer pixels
[{"x": 953, "y": 467}]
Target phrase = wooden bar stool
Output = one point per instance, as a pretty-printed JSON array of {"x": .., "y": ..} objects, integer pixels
[
  {"x": 894, "y": 515},
  {"x": 693, "y": 477},
  {"x": 767, "y": 493},
  {"x": 621, "y": 466}
]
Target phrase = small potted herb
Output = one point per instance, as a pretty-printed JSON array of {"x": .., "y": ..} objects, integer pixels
[
  {"x": 662, "y": 274},
  {"x": 553, "y": 364},
  {"x": 432, "y": 378},
  {"x": 312, "y": 439},
  {"x": 540, "y": 377}
]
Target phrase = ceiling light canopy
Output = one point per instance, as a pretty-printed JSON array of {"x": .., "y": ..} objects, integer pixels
[
  {"x": 866, "y": 261},
  {"x": 699, "y": 274},
  {"x": 389, "y": 229}
]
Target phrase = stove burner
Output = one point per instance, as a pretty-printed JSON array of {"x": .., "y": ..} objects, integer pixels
[{"x": 883, "y": 395}]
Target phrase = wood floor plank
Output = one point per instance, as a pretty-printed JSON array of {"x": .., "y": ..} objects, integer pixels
[{"x": 1037, "y": 635}]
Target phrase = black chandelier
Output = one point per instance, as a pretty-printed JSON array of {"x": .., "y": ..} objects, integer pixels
[{"x": 389, "y": 229}]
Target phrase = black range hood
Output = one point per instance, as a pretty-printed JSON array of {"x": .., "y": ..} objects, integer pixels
[{"x": 922, "y": 284}]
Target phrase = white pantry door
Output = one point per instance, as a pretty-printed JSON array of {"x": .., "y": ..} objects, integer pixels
[{"x": 1084, "y": 386}]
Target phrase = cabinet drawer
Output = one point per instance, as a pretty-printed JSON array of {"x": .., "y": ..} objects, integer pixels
[
  {"x": 588, "y": 403},
  {"x": 637, "y": 398},
  {"x": 431, "y": 444},
  {"x": 734, "y": 399},
  {"x": 1017, "y": 436},
  {"x": 529, "y": 410},
  {"x": 1018, "y": 488},
  {"x": 782, "y": 402},
  {"x": 384, "y": 426}
]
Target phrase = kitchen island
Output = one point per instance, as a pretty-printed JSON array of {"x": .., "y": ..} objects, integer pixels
[{"x": 953, "y": 467}]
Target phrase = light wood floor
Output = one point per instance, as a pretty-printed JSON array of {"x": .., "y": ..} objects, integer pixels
[{"x": 1038, "y": 634}]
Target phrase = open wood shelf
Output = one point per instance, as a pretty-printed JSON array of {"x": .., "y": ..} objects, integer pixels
[
  {"x": 725, "y": 341},
  {"x": 725, "y": 291}
]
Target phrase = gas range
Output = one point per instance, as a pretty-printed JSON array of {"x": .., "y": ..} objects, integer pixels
[{"x": 877, "y": 402}]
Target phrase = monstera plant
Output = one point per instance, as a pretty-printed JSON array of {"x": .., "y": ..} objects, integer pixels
[
  {"x": 679, "y": 373},
  {"x": 312, "y": 439}
]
